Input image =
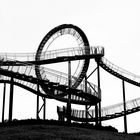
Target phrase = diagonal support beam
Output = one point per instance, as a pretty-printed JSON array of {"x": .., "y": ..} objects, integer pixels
[{"x": 91, "y": 73}]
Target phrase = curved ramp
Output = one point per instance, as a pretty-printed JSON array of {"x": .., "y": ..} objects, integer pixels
[
  {"x": 109, "y": 112},
  {"x": 119, "y": 72},
  {"x": 26, "y": 73},
  {"x": 65, "y": 54}
]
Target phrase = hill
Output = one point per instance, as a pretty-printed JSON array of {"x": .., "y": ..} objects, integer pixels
[{"x": 45, "y": 131}]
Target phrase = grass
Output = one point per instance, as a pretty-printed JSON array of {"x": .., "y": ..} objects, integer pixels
[{"x": 48, "y": 131}]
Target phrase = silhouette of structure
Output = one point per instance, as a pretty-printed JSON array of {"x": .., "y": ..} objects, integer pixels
[{"x": 27, "y": 71}]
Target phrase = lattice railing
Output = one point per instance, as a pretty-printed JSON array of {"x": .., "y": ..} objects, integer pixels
[
  {"x": 121, "y": 71},
  {"x": 53, "y": 53},
  {"x": 109, "y": 110},
  {"x": 48, "y": 74}
]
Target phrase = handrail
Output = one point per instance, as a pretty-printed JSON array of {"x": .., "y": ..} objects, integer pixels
[
  {"x": 106, "y": 111},
  {"x": 53, "y": 53},
  {"x": 48, "y": 74},
  {"x": 120, "y": 70}
]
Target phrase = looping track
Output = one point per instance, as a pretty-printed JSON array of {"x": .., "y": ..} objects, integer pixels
[
  {"x": 62, "y": 30},
  {"x": 27, "y": 72}
]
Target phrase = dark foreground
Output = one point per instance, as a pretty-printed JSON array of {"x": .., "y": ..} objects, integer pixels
[{"x": 58, "y": 132}]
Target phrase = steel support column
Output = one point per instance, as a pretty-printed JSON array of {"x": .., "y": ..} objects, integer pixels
[
  {"x": 86, "y": 106},
  {"x": 37, "y": 105},
  {"x": 96, "y": 106},
  {"x": 3, "y": 108},
  {"x": 98, "y": 77},
  {"x": 96, "y": 114},
  {"x": 124, "y": 104},
  {"x": 69, "y": 94},
  {"x": 44, "y": 111},
  {"x": 11, "y": 100}
]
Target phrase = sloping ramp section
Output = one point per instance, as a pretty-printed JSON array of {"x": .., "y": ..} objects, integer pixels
[
  {"x": 119, "y": 72},
  {"x": 25, "y": 74},
  {"x": 109, "y": 112}
]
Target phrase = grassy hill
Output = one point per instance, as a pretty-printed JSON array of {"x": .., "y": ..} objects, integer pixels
[{"x": 48, "y": 131}]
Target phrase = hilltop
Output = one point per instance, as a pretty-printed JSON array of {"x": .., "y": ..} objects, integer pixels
[{"x": 52, "y": 130}]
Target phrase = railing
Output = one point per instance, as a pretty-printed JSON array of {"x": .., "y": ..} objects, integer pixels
[
  {"x": 19, "y": 56},
  {"x": 109, "y": 110},
  {"x": 121, "y": 71},
  {"x": 48, "y": 55},
  {"x": 118, "y": 108},
  {"x": 51, "y": 75},
  {"x": 77, "y": 51},
  {"x": 25, "y": 83},
  {"x": 62, "y": 78},
  {"x": 53, "y": 53}
]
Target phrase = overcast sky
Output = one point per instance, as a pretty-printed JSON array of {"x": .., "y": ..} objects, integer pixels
[{"x": 114, "y": 24}]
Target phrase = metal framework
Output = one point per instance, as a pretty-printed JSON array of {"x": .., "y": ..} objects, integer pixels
[{"x": 28, "y": 71}]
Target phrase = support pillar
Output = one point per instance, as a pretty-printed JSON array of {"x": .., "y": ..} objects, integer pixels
[
  {"x": 11, "y": 100},
  {"x": 96, "y": 114},
  {"x": 3, "y": 108},
  {"x": 44, "y": 112},
  {"x": 86, "y": 106},
  {"x": 69, "y": 94},
  {"x": 96, "y": 106},
  {"x": 37, "y": 107},
  {"x": 124, "y": 104},
  {"x": 98, "y": 77}
]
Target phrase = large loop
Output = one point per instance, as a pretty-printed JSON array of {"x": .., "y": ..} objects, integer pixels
[{"x": 80, "y": 38}]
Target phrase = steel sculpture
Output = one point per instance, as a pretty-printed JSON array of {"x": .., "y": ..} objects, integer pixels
[{"x": 28, "y": 71}]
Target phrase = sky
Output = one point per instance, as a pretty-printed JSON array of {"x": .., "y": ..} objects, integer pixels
[{"x": 113, "y": 24}]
